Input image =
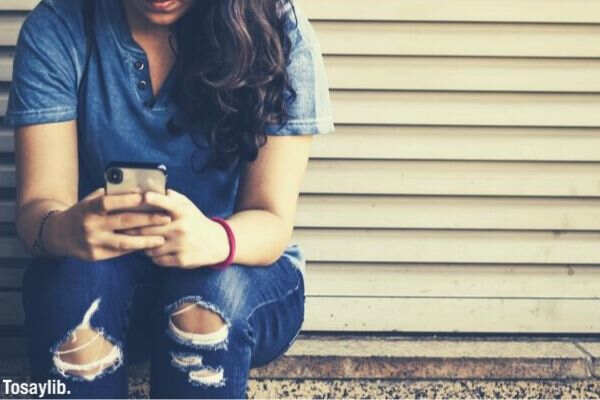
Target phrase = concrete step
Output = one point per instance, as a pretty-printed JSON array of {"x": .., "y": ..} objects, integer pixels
[
  {"x": 434, "y": 366},
  {"x": 431, "y": 357}
]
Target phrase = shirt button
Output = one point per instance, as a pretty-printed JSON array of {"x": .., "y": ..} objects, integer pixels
[
  {"x": 139, "y": 65},
  {"x": 142, "y": 85}
]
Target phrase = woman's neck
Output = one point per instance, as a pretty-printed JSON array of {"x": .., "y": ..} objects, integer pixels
[{"x": 140, "y": 27}]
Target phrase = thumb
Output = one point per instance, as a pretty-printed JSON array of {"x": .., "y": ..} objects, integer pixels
[{"x": 95, "y": 194}]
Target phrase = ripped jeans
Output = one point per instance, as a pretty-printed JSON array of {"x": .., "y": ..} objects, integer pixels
[{"x": 86, "y": 321}]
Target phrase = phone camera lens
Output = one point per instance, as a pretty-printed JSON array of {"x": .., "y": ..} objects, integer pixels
[{"x": 115, "y": 175}]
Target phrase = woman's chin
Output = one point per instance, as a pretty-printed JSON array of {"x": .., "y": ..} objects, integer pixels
[{"x": 163, "y": 12}]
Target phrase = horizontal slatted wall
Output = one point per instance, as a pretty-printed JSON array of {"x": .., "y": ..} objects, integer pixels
[{"x": 461, "y": 190}]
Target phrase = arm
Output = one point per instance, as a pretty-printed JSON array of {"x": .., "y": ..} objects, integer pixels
[
  {"x": 47, "y": 178},
  {"x": 263, "y": 221},
  {"x": 47, "y": 173},
  {"x": 266, "y": 208}
]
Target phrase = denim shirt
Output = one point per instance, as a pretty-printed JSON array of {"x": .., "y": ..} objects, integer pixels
[{"x": 119, "y": 118}]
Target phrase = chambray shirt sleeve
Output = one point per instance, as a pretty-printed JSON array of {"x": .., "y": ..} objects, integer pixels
[
  {"x": 44, "y": 81},
  {"x": 311, "y": 112}
]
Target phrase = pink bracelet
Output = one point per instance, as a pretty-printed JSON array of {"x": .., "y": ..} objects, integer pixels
[{"x": 231, "y": 238}]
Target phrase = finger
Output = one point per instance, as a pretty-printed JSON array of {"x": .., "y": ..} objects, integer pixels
[
  {"x": 107, "y": 203},
  {"x": 117, "y": 241},
  {"x": 170, "y": 202},
  {"x": 169, "y": 247},
  {"x": 96, "y": 193},
  {"x": 158, "y": 230},
  {"x": 127, "y": 220},
  {"x": 107, "y": 252},
  {"x": 167, "y": 260},
  {"x": 101, "y": 252}
]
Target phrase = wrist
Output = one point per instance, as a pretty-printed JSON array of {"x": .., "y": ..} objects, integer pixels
[
  {"x": 221, "y": 246},
  {"x": 53, "y": 234},
  {"x": 224, "y": 243}
]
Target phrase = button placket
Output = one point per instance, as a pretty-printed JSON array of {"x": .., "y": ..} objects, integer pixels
[{"x": 143, "y": 82}]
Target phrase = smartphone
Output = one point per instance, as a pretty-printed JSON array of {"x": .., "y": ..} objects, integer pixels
[{"x": 134, "y": 177}]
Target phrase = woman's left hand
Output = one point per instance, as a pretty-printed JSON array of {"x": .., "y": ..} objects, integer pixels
[{"x": 192, "y": 240}]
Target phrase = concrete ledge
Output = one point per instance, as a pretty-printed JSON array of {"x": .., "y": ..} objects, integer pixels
[
  {"x": 404, "y": 357},
  {"x": 592, "y": 349},
  {"x": 409, "y": 358}
]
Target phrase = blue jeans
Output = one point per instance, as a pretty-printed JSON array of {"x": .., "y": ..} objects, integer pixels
[{"x": 128, "y": 301}]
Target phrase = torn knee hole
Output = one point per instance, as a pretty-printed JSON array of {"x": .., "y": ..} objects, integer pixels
[
  {"x": 207, "y": 376},
  {"x": 198, "y": 373},
  {"x": 198, "y": 325},
  {"x": 194, "y": 318},
  {"x": 86, "y": 352}
]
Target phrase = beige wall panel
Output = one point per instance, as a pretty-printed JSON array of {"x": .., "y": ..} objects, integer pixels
[
  {"x": 7, "y": 176},
  {"x": 463, "y": 73},
  {"x": 17, "y": 4},
  {"x": 464, "y": 108},
  {"x": 3, "y": 102},
  {"x": 11, "y": 247},
  {"x": 7, "y": 144},
  {"x": 422, "y": 314},
  {"x": 433, "y": 212},
  {"x": 7, "y": 211},
  {"x": 438, "y": 177},
  {"x": 445, "y": 143},
  {"x": 426, "y": 38},
  {"x": 426, "y": 280},
  {"x": 452, "y": 315},
  {"x": 443, "y": 73},
  {"x": 447, "y": 212},
  {"x": 449, "y": 246},
  {"x": 432, "y": 10},
  {"x": 458, "y": 39},
  {"x": 458, "y": 143},
  {"x": 6, "y": 61},
  {"x": 452, "y": 178},
  {"x": 447, "y": 280},
  {"x": 441, "y": 202},
  {"x": 455, "y": 10},
  {"x": 431, "y": 246},
  {"x": 9, "y": 27}
]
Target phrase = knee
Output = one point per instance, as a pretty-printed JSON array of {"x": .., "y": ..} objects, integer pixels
[
  {"x": 86, "y": 353},
  {"x": 198, "y": 324}
]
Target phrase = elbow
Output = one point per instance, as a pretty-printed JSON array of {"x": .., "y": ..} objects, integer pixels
[
  {"x": 286, "y": 230},
  {"x": 21, "y": 230}
]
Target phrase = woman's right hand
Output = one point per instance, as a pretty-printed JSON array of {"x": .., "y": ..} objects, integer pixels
[{"x": 86, "y": 230}]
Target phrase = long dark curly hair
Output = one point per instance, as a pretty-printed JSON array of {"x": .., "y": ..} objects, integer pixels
[{"x": 231, "y": 73}]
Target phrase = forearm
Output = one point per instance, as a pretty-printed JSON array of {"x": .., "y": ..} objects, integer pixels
[
  {"x": 261, "y": 237},
  {"x": 28, "y": 220}
]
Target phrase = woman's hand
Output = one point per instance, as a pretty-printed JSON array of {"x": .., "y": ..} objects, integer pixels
[
  {"x": 87, "y": 229},
  {"x": 192, "y": 239}
]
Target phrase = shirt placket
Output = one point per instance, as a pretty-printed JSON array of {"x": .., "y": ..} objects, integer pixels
[{"x": 142, "y": 81}]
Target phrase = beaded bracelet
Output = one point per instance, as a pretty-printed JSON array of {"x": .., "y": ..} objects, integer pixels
[
  {"x": 231, "y": 238},
  {"x": 38, "y": 243}
]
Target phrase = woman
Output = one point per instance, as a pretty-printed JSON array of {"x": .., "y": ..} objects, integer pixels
[{"x": 227, "y": 94}]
